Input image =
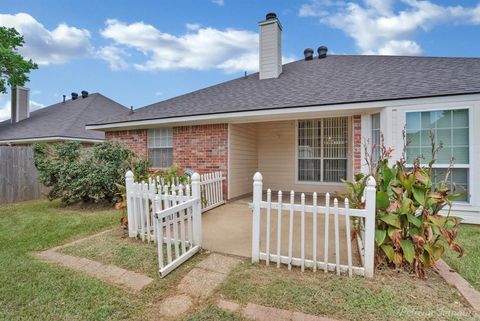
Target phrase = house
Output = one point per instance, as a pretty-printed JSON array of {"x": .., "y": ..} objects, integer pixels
[
  {"x": 59, "y": 122},
  {"x": 302, "y": 124}
]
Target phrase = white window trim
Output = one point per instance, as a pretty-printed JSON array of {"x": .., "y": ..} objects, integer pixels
[
  {"x": 162, "y": 147},
  {"x": 471, "y": 125},
  {"x": 349, "y": 153}
]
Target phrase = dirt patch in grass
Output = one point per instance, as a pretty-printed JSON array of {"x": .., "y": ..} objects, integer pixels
[
  {"x": 212, "y": 313},
  {"x": 389, "y": 296}
]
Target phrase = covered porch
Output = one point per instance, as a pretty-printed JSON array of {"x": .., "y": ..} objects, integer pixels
[
  {"x": 305, "y": 155},
  {"x": 228, "y": 229}
]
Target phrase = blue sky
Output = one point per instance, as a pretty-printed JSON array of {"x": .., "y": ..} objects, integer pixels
[{"x": 141, "y": 52}]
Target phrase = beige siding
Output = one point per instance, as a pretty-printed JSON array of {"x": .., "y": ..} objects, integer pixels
[
  {"x": 243, "y": 158},
  {"x": 276, "y": 159}
]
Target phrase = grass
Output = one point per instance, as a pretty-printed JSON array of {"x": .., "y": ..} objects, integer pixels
[
  {"x": 468, "y": 265},
  {"x": 35, "y": 290},
  {"x": 115, "y": 247},
  {"x": 390, "y": 296},
  {"x": 32, "y": 289},
  {"x": 212, "y": 313}
]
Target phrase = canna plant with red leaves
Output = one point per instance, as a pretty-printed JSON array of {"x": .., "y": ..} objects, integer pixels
[{"x": 413, "y": 222}]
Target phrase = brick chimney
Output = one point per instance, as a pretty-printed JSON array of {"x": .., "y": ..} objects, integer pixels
[
  {"x": 270, "y": 47},
  {"x": 20, "y": 104}
]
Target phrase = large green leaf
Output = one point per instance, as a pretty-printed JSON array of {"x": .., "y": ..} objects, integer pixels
[
  {"x": 382, "y": 200},
  {"x": 414, "y": 220},
  {"x": 419, "y": 194},
  {"x": 408, "y": 250},
  {"x": 389, "y": 252},
  {"x": 391, "y": 219},
  {"x": 380, "y": 236}
]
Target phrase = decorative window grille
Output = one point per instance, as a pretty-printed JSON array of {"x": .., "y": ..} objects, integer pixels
[
  {"x": 160, "y": 147},
  {"x": 451, "y": 128},
  {"x": 376, "y": 137},
  {"x": 322, "y": 149}
]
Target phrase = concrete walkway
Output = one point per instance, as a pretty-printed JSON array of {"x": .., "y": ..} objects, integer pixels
[
  {"x": 228, "y": 229},
  {"x": 263, "y": 313},
  {"x": 456, "y": 280},
  {"x": 105, "y": 272},
  {"x": 196, "y": 286}
]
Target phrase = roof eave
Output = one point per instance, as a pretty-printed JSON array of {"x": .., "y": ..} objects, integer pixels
[{"x": 226, "y": 116}]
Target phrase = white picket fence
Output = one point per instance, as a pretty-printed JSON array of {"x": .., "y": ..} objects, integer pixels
[
  {"x": 211, "y": 189},
  {"x": 266, "y": 253},
  {"x": 168, "y": 215}
]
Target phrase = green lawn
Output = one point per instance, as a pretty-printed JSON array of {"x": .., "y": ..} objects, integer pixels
[
  {"x": 34, "y": 290},
  {"x": 389, "y": 296},
  {"x": 468, "y": 265}
]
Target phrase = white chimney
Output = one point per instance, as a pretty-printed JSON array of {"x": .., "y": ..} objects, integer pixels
[
  {"x": 20, "y": 104},
  {"x": 270, "y": 47}
]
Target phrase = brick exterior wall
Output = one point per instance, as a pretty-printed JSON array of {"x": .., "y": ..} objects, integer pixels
[
  {"x": 357, "y": 143},
  {"x": 136, "y": 140},
  {"x": 203, "y": 148}
]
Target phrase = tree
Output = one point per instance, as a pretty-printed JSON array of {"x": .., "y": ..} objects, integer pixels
[{"x": 13, "y": 67}]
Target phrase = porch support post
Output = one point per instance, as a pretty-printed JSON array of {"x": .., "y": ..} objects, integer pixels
[
  {"x": 370, "y": 200},
  {"x": 197, "y": 210},
  {"x": 129, "y": 199},
  {"x": 257, "y": 198}
]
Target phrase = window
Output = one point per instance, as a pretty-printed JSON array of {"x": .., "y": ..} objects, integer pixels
[
  {"x": 376, "y": 137},
  {"x": 451, "y": 128},
  {"x": 322, "y": 149},
  {"x": 160, "y": 147}
]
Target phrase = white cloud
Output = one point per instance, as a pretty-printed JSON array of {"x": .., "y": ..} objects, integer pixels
[
  {"x": 115, "y": 57},
  {"x": 230, "y": 50},
  {"x": 45, "y": 46},
  {"x": 5, "y": 110},
  {"x": 193, "y": 26},
  {"x": 379, "y": 29},
  {"x": 219, "y": 2}
]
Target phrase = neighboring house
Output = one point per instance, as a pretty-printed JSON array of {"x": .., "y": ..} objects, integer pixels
[
  {"x": 59, "y": 122},
  {"x": 302, "y": 124}
]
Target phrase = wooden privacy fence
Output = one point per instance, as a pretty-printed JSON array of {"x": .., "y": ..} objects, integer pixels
[
  {"x": 266, "y": 253},
  {"x": 18, "y": 175},
  {"x": 168, "y": 215}
]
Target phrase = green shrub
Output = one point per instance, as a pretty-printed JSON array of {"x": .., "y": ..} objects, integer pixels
[
  {"x": 85, "y": 174},
  {"x": 409, "y": 228}
]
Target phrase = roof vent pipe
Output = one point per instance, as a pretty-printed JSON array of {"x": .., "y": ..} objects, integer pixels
[
  {"x": 322, "y": 52},
  {"x": 64, "y": 97},
  {"x": 84, "y": 94},
  {"x": 308, "y": 53},
  {"x": 74, "y": 96},
  {"x": 271, "y": 16}
]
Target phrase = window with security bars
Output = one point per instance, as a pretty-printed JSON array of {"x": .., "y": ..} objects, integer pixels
[
  {"x": 322, "y": 149},
  {"x": 451, "y": 128},
  {"x": 160, "y": 147}
]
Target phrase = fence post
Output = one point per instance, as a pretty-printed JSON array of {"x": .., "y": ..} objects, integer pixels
[
  {"x": 370, "y": 200},
  {"x": 128, "y": 194},
  {"x": 257, "y": 198},
  {"x": 197, "y": 210}
]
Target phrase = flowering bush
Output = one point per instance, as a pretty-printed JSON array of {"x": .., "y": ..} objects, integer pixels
[{"x": 409, "y": 228}]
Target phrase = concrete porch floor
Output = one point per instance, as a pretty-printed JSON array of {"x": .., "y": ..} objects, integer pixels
[{"x": 228, "y": 229}]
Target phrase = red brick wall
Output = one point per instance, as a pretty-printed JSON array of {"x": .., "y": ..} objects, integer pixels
[
  {"x": 357, "y": 144},
  {"x": 136, "y": 140},
  {"x": 204, "y": 148}
]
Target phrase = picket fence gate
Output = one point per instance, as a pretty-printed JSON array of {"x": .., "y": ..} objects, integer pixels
[
  {"x": 169, "y": 213},
  {"x": 365, "y": 217}
]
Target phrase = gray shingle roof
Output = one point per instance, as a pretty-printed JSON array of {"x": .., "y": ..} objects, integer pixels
[
  {"x": 64, "y": 119},
  {"x": 336, "y": 79}
]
